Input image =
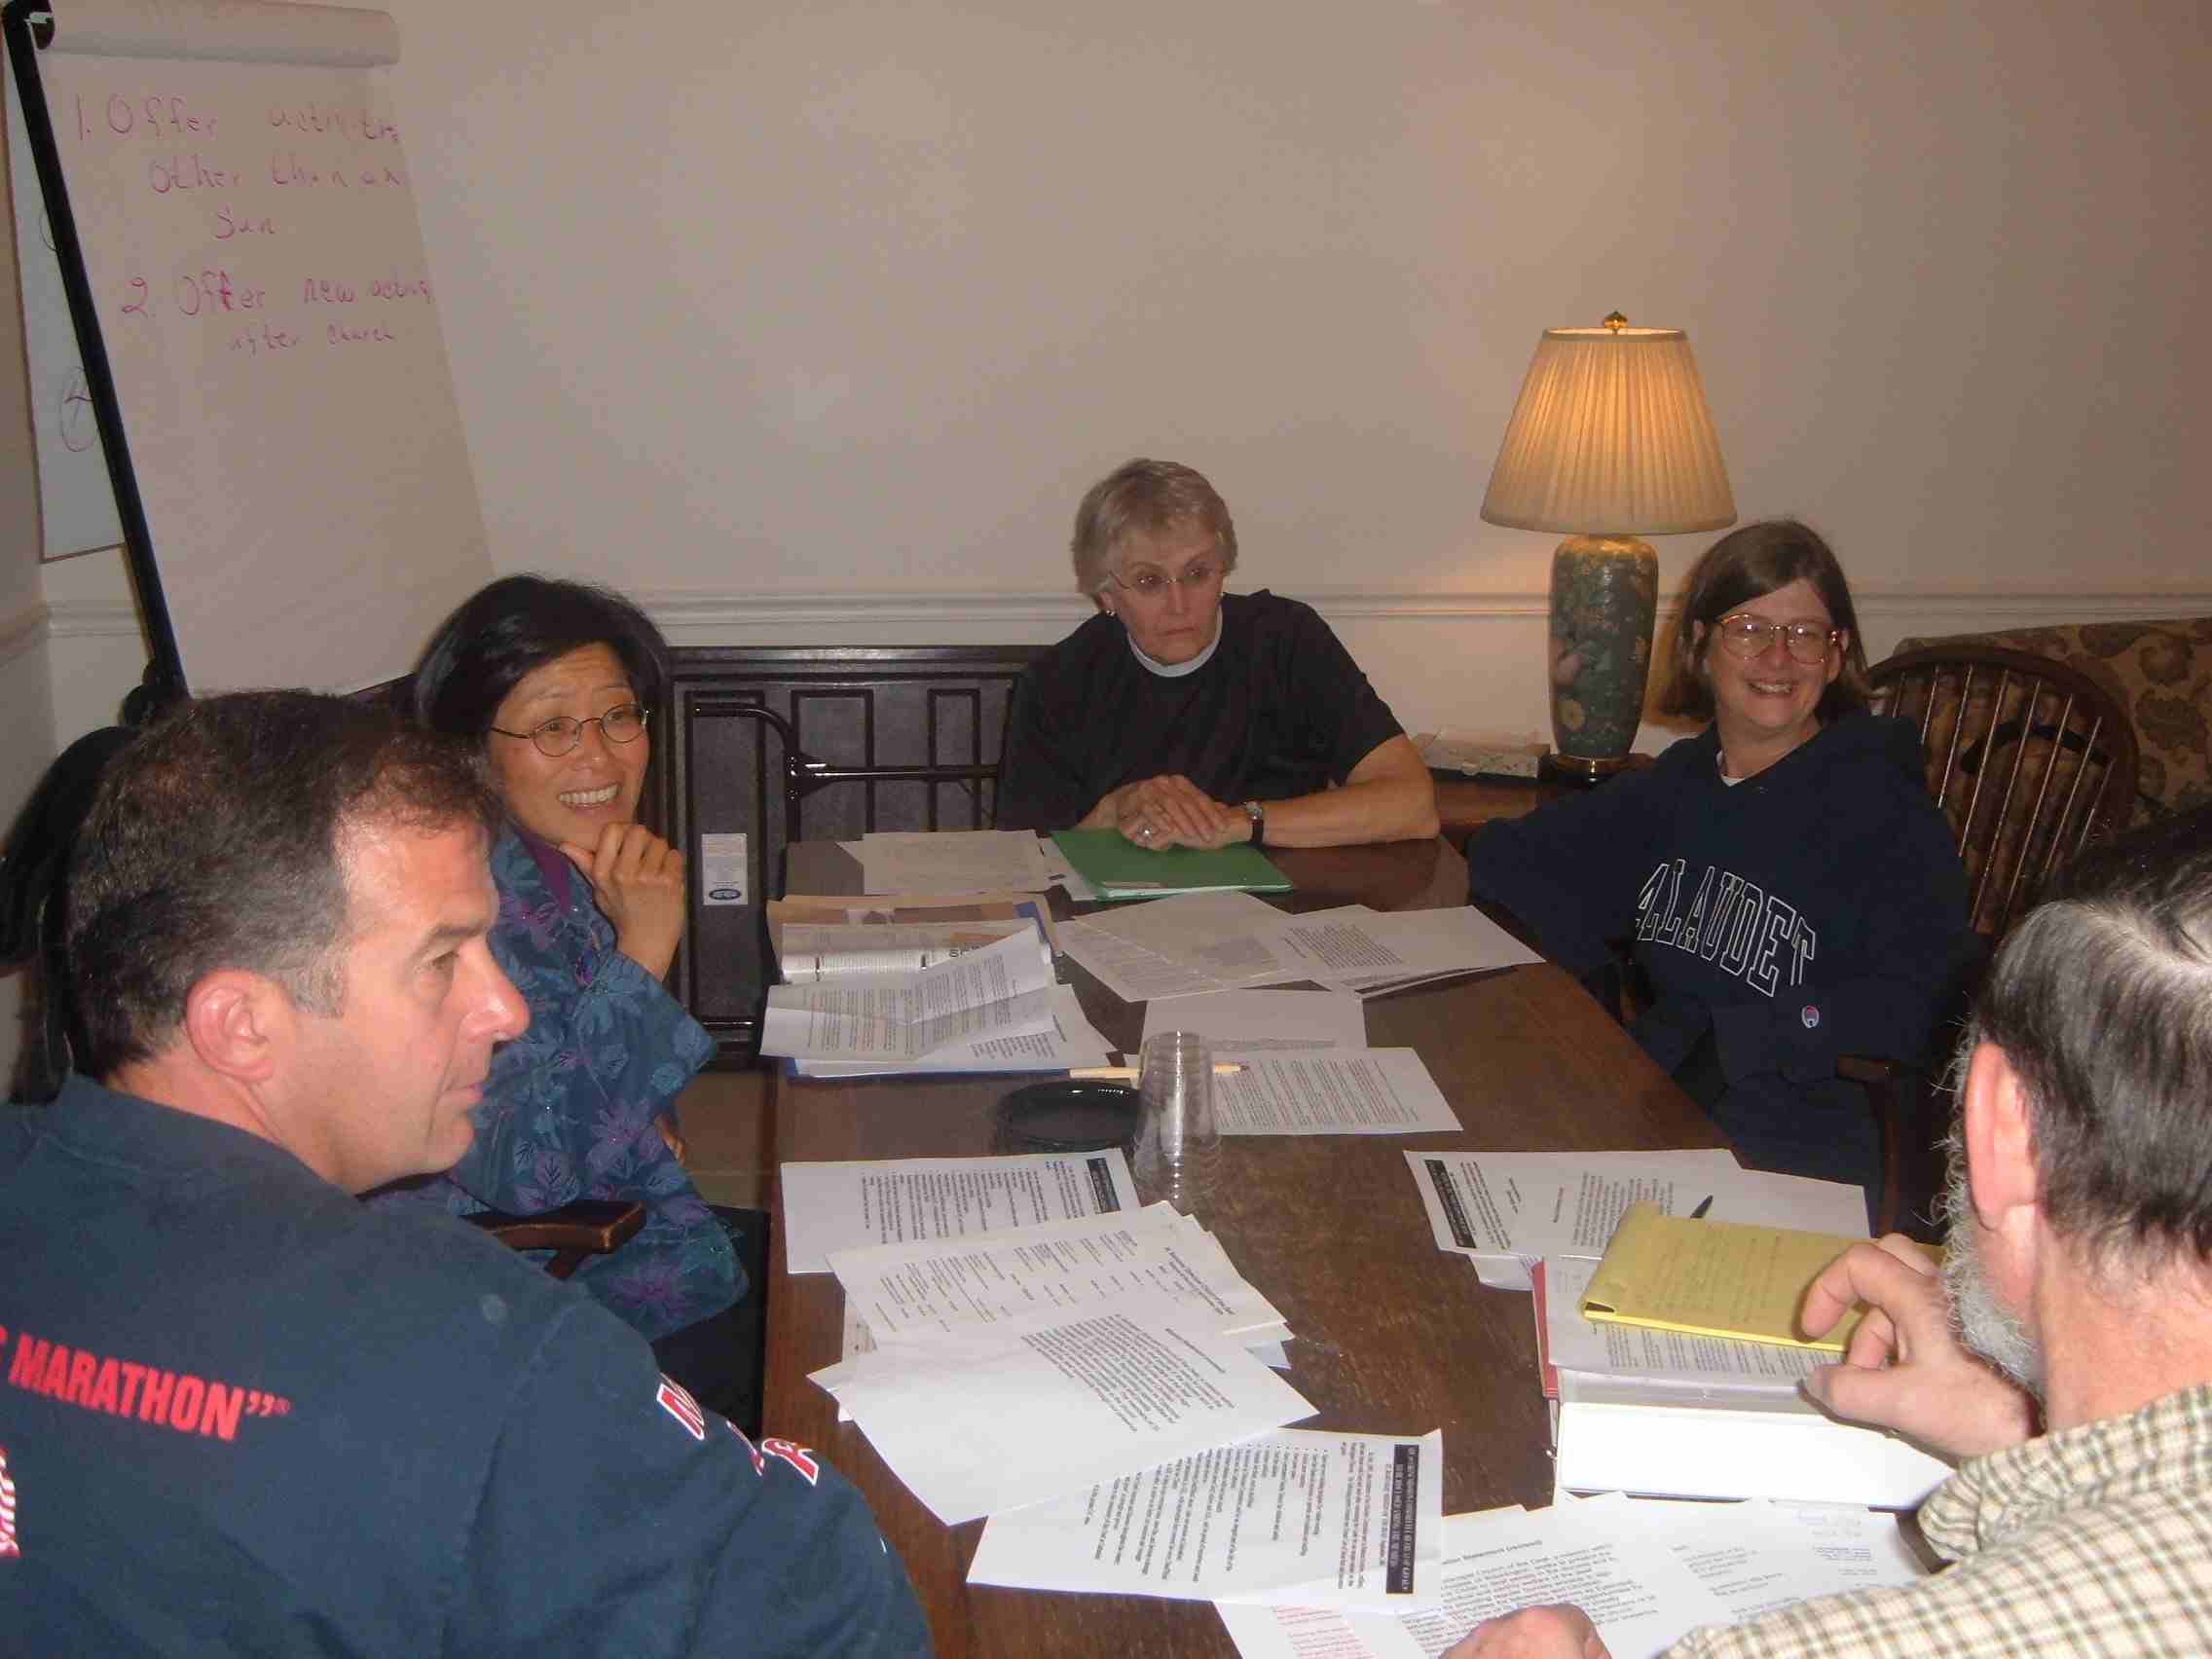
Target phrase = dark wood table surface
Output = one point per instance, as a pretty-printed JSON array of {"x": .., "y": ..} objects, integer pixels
[{"x": 1392, "y": 1336}]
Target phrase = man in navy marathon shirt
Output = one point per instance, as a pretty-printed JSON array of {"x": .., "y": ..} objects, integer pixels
[{"x": 239, "y": 1413}]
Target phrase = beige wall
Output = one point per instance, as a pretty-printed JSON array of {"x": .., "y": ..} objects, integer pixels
[
  {"x": 812, "y": 320},
  {"x": 773, "y": 298}
]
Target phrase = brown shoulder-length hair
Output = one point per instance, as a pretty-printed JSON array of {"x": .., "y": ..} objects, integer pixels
[{"x": 1748, "y": 564}]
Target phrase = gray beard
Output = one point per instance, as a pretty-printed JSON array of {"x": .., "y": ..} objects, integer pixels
[{"x": 1985, "y": 1324}]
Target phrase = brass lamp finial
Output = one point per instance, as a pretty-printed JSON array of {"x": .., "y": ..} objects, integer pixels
[{"x": 1615, "y": 321}]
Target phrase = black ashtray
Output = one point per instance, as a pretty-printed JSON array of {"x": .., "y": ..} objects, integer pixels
[{"x": 1067, "y": 1114}]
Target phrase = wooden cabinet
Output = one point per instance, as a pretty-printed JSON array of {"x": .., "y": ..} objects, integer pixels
[{"x": 889, "y": 737}]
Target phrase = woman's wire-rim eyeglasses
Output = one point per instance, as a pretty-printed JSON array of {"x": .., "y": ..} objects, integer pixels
[
  {"x": 1153, "y": 583},
  {"x": 625, "y": 722},
  {"x": 1750, "y": 637}
]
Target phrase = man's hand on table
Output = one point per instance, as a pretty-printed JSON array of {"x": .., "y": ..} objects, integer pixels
[
  {"x": 1557, "y": 1631},
  {"x": 1905, "y": 1368}
]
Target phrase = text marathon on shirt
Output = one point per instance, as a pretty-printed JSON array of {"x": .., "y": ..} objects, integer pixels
[{"x": 1729, "y": 922}]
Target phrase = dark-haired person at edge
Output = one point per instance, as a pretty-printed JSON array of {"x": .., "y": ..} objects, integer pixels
[
  {"x": 241, "y": 1412},
  {"x": 2063, "y": 1357},
  {"x": 1184, "y": 716},
  {"x": 557, "y": 682},
  {"x": 1793, "y": 893}
]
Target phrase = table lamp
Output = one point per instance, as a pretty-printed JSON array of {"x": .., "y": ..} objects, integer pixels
[{"x": 1611, "y": 440}]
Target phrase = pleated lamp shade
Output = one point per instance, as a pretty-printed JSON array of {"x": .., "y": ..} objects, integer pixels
[{"x": 1611, "y": 437}]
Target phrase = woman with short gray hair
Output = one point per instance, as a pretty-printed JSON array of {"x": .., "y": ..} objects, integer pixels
[{"x": 1183, "y": 716}]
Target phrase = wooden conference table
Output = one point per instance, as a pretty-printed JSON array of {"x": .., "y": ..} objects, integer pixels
[{"x": 1392, "y": 1336}]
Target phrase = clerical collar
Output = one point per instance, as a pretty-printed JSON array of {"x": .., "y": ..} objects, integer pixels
[{"x": 1176, "y": 669}]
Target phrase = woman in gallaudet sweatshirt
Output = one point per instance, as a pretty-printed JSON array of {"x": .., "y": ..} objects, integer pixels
[{"x": 1790, "y": 889}]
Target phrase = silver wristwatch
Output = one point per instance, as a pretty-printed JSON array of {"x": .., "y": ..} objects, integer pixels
[{"x": 1259, "y": 819}]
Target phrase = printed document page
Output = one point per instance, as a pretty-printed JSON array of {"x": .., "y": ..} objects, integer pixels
[
  {"x": 1763, "y": 1199},
  {"x": 1301, "y": 1516},
  {"x": 924, "y": 1288},
  {"x": 986, "y": 1419},
  {"x": 1752, "y": 1557},
  {"x": 830, "y": 950},
  {"x": 855, "y": 1338},
  {"x": 954, "y": 861},
  {"x": 1758, "y": 1555},
  {"x": 1505, "y": 1210},
  {"x": 837, "y": 1207},
  {"x": 1368, "y": 951},
  {"x": 1638, "y": 1593},
  {"x": 1179, "y": 946},
  {"x": 1065, "y": 1041},
  {"x": 1000, "y": 991},
  {"x": 906, "y": 910},
  {"x": 1243, "y": 1023},
  {"x": 1343, "y": 1091}
]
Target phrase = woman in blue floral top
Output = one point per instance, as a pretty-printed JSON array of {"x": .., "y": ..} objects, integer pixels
[{"x": 558, "y": 681}]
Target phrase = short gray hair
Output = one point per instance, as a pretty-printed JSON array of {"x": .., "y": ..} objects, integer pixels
[
  {"x": 1144, "y": 497},
  {"x": 2101, "y": 999}
]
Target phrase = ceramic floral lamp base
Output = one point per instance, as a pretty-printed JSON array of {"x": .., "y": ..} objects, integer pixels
[{"x": 1604, "y": 600}]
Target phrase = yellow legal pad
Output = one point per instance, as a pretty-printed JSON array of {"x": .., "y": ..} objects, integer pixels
[{"x": 1714, "y": 1278}]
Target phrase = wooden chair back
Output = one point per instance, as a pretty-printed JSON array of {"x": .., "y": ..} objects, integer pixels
[{"x": 2030, "y": 760}]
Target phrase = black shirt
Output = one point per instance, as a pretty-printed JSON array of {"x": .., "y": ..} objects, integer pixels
[{"x": 1279, "y": 711}]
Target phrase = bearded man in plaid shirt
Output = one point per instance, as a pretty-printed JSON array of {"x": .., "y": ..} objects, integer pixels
[{"x": 2063, "y": 1357}]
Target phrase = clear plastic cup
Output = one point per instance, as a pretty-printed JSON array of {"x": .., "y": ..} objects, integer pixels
[{"x": 1178, "y": 1146}]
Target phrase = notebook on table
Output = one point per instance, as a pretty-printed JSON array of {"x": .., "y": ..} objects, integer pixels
[{"x": 1118, "y": 868}]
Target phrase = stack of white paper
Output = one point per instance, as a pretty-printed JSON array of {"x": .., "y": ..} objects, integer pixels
[
  {"x": 1646, "y": 1574},
  {"x": 1680, "y": 1361},
  {"x": 1346, "y": 1091},
  {"x": 831, "y": 1206},
  {"x": 1372, "y": 952},
  {"x": 996, "y": 1008},
  {"x": 1307, "y": 1069},
  {"x": 947, "y": 861},
  {"x": 1506, "y": 1209},
  {"x": 830, "y": 951},
  {"x": 916, "y": 1291},
  {"x": 1180, "y": 946},
  {"x": 1671, "y": 1412},
  {"x": 1241, "y": 1024},
  {"x": 1034, "y": 1363}
]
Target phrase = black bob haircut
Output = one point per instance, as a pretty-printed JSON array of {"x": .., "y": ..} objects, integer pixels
[{"x": 508, "y": 630}]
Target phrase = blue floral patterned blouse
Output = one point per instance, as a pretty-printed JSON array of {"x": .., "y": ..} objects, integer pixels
[{"x": 568, "y": 1110}]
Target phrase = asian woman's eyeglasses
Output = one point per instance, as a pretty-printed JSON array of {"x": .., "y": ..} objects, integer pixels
[{"x": 625, "y": 722}]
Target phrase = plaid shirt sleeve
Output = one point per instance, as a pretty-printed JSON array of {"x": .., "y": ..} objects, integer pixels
[{"x": 2096, "y": 1541}]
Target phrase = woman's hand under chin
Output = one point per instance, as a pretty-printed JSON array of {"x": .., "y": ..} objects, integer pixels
[{"x": 637, "y": 879}]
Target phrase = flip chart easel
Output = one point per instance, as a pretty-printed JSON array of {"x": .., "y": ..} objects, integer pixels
[{"x": 232, "y": 210}]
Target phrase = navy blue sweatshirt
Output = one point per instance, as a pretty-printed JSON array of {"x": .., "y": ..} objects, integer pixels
[
  {"x": 241, "y": 1414},
  {"x": 1815, "y": 909}
]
